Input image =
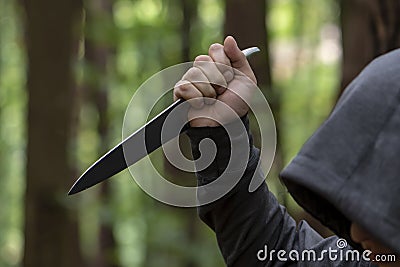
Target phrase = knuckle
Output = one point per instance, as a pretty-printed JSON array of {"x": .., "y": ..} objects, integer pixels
[
  {"x": 194, "y": 72},
  {"x": 202, "y": 58},
  {"x": 191, "y": 74},
  {"x": 177, "y": 87},
  {"x": 215, "y": 47},
  {"x": 228, "y": 76},
  {"x": 181, "y": 88}
]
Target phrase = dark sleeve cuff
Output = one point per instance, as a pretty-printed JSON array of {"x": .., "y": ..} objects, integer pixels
[{"x": 223, "y": 143}]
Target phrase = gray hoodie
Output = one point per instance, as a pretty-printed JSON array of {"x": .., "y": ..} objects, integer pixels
[{"x": 348, "y": 171}]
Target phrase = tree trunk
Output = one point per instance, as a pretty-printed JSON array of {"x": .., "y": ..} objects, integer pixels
[
  {"x": 189, "y": 9},
  {"x": 369, "y": 28},
  {"x": 51, "y": 234},
  {"x": 245, "y": 20},
  {"x": 98, "y": 55},
  {"x": 187, "y": 217}
]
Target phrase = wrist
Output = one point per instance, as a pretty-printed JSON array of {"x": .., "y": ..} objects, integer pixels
[{"x": 223, "y": 141}]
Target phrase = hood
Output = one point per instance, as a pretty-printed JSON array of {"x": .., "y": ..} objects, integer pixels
[{"x": 349, "y": 170}]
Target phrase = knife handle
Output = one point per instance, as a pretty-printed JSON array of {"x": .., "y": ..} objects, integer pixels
[{"x": 251, "y": 50}]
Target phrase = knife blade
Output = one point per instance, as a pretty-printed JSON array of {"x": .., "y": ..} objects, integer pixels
[{"x": 139, "y": 144}]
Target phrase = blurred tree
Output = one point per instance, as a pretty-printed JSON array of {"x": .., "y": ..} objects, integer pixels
[
  {"x": 188, "y": 217},
  {"x": 2, "y": 145},
  {"x": 369, "y": 28},
  {"x": 12, "y": 134},
  {"x": 246, "y": 21},
  {"x": 51, "y": 234},
  {"x": 189, "y": 13},
  {"x": 99, "y": 54}
]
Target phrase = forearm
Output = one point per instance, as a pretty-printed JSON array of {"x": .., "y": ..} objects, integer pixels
[{"x": 244, "y": 222}]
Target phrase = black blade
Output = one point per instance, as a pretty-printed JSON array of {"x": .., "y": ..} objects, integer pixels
[{"x": 137, "y": 146}]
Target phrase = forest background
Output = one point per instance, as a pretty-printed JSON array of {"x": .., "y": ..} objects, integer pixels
[{"x": 68, "y": 69}]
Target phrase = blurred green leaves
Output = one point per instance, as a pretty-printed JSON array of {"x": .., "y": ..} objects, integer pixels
[
  {"x": 12, "y": 135},
  {"x": 145, "y": 37}
]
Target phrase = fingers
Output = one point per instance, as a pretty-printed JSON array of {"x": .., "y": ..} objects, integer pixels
[
  {"x": 237, "y": 58},
  {"x": 224, "y": 66},
  {"x": 196, "y": 85},
  {"x": 216, "y": 52},
  {"x": 200, "y": 81},
  {"x": 210, "y": 70},
  {"x": 204, "y": 79},
  {"x": 186, "y": 90},
  {"x": 230, "y": 58}
]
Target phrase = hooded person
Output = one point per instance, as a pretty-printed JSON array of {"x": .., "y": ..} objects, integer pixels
[{"x": 346, "y": 175}]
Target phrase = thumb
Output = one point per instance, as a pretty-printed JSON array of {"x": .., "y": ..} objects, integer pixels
[{"x": 237, "y": 58}]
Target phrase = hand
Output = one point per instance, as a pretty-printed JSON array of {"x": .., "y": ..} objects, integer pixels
[{"x": 224, "y": 75}]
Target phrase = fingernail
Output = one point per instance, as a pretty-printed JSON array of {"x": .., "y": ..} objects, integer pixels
[{"x": 228, "y": 76}]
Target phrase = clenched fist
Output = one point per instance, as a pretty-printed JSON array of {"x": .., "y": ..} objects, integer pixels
[{"x": 224, "y": 75}]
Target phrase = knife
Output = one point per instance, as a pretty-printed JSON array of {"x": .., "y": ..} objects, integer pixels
[{"x": 139, "y": 144}]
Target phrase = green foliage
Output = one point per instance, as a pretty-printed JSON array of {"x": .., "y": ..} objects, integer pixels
[
  {"x": 12, "y": 136},
  {"x": 305, "y": 47},
  {"x": 145, "y": 37}
]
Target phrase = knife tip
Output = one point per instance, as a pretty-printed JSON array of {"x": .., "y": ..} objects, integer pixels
[
  {"x": 76, "y": 188},
  {"x": 72, "y": 191}
]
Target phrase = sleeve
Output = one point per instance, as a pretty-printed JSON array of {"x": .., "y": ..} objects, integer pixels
[{"x": 249, "y": 225}]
